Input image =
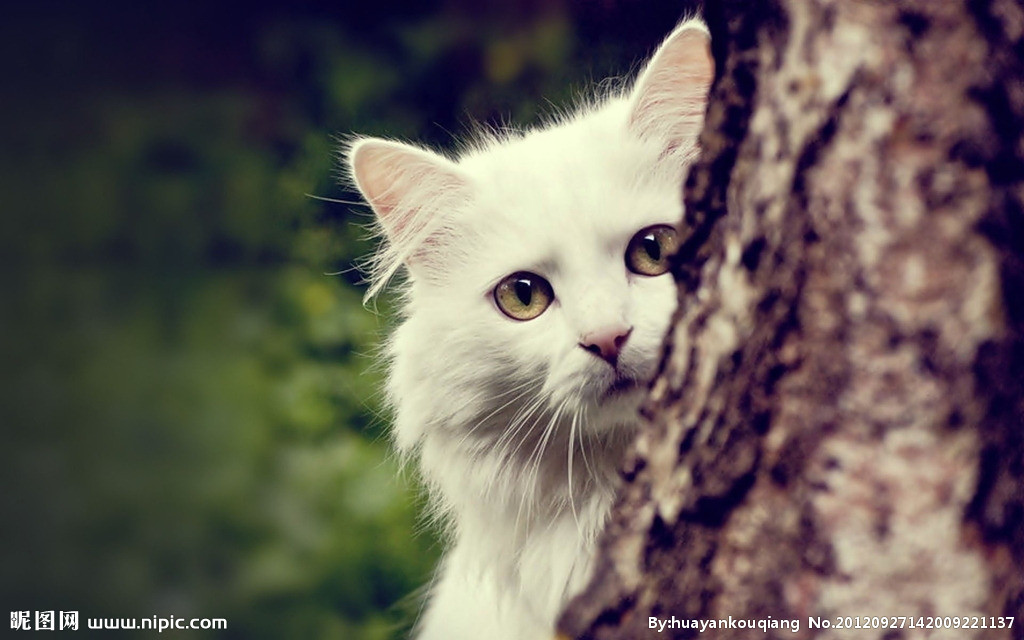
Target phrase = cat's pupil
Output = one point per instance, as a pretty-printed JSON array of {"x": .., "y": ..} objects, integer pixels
[
  {"x": 652, "y": 247},
  {"x": 524, "y": 291}
]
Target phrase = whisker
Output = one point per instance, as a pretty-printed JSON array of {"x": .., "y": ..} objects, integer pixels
[
  {"x": 528, "y": 488},
  {"x": 515, "y": 427},
  {"x": 537, "y": 455},
  {"x": 571, "y": 447},
  {"x": 583, "y": 443},
  {"x": 519, "y": 420},
  {"x": 520, "y": 392},
  {"x": 334, "y": 200}
]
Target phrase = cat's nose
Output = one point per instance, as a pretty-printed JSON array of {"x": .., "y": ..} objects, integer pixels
[{"x": 607, "y": 343}]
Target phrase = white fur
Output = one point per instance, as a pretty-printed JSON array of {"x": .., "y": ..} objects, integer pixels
[{"x": 516, "y": 438}]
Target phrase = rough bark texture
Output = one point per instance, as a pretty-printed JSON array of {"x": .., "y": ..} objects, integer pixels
[{"x": 837, "y": 429}]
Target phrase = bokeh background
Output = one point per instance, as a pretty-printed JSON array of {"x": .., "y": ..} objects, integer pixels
[{"x": 189, "y": 405}]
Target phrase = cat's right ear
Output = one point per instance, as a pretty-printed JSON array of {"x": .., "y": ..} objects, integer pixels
[{"x": 410, "y": 190}]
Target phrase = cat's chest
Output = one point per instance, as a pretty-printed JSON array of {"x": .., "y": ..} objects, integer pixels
[{"x": 547, "y": 562}]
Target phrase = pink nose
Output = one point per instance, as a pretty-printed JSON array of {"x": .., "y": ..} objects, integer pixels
[{"x": 606, "y": 343}]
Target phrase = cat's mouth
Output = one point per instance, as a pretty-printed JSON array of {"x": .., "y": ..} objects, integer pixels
[{"x": 621, "y": 386}]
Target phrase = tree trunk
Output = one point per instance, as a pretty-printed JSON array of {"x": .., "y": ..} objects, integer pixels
[{"x": 838, "y": 427}]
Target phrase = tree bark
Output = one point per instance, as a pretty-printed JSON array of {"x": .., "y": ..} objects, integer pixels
[{"x": 838, "y": 426}]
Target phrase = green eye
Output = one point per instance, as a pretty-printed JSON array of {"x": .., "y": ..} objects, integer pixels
[
  {"x": 523, "y": 295},
  {"x": 647, "y": 253}
]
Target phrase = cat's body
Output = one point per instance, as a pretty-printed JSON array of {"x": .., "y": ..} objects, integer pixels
[{"x": 536, "y": 304}]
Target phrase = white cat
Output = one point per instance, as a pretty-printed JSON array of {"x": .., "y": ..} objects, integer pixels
[{"x": 536, "y": 302}]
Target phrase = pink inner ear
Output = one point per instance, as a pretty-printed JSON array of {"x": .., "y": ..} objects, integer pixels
[
  {"x": 671, "y": 93},
  {"x": 399, "y": 180},
  {"x": 691, "y": 53},
  {"x": 380, "y": 169},
  {"x": 411, "y": 191}
]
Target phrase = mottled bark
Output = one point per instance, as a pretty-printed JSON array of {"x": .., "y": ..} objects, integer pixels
[{"x": 837, "y": 429}]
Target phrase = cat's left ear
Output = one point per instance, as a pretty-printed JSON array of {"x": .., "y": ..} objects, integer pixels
[{"x": 670, "y": 96}]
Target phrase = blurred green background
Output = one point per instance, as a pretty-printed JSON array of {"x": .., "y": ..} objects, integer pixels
[{"x": 190, "y": 407}]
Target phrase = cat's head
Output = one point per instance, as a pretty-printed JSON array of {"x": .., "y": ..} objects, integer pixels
[{"x": 538, "y": 281}]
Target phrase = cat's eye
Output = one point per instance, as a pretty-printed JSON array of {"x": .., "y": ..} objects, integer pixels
[
  {"x": 647, "y": 253},
  {"x": 523, "y": 295}
]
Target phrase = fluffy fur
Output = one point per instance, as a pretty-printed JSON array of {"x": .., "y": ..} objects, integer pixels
[{"x": 518, "y": 427}]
